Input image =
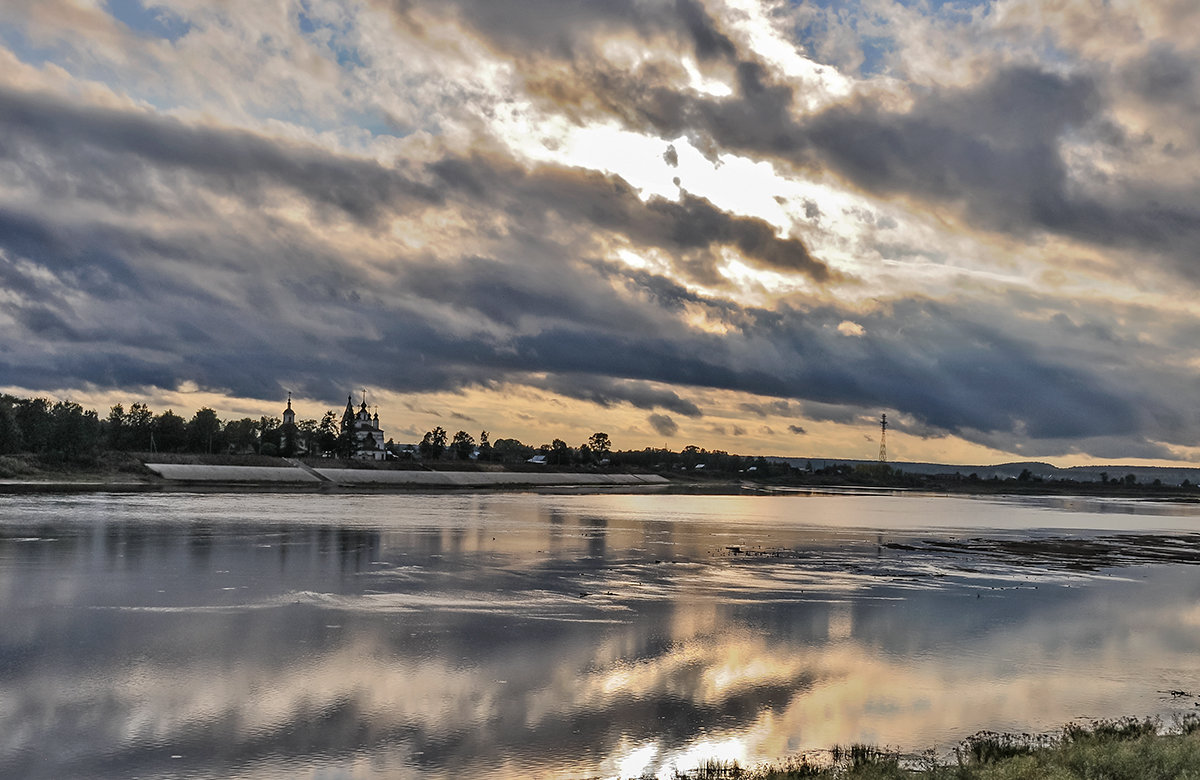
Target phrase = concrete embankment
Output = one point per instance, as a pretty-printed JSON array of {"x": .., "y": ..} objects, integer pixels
[
  {"x": 382, "y": 478},
  {"x": 179, "y": 472}
]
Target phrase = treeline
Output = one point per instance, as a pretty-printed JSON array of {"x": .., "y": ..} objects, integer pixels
[
  {"x": 65, "y": 431},
  {"x": 596, "y": 451}
]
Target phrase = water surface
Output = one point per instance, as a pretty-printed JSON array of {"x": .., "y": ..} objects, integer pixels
[{"x": 371, "y": 636}]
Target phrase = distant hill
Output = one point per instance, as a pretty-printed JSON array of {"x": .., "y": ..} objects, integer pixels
[{"x": 1169, "y": 475}]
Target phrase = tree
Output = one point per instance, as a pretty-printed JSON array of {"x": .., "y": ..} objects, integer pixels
[
  {"x": 600, "y": 444},
  {"x": 204, "y": 432},
  {"x": 308, "y": 431},
  {"x": 73, "y": 431},
  {"x": 327, "y": 432},
  {"x": 140, "y": 427},
  {"x": 241, "y": 436},
  {"x": 33, "y": 422},
  {"x": 511, "y": 450},
  {"x": 268, "y": 433},
  {"x": 560, "y": 453},
  {"x": 116, "y": 428},
  {"x": 485, "y": 446},
  {"x": 463, "y": 445},
  {"x": 10, "y": 434},
  {"x": 170, "y": 432},
  {"x": 433, "y": 444}
]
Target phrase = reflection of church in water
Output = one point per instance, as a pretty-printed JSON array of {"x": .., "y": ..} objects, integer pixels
[{"x": 363, "y": 431}]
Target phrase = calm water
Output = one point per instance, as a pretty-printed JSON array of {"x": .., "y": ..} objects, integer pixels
[{"x": 456, "y": 635}]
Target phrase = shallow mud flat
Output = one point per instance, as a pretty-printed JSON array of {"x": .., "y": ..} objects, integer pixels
[{"x": 526, "y": 635}]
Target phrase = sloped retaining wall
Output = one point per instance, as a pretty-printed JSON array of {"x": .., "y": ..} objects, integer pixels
[
  {"x": 481, "y": 478},
  {"x": 257, "y": 475},
  {"x": 180, "y": 472}
]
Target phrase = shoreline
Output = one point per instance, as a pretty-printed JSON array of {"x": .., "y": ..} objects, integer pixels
[
  {"x": 118, "y": 472},
  {"x": 666, "y": 485}
]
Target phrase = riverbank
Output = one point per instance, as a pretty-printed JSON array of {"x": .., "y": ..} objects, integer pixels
[
  {"x": 124, "y": 472},
  {"x": 113, "y": 471},
  {"x": 1117, "y": 750}
]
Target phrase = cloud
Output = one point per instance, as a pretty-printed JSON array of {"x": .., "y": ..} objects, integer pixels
[
  {"x": 113, "y": 149},
  {"x": 663, "y": 425},
  {"x": 689, "y": 225},
  {"x": 796, "y": 429},
  {"x": 607, "y": 391},
  {"x": 155, "y": 236},
  {"x": 567, "y": 30}
]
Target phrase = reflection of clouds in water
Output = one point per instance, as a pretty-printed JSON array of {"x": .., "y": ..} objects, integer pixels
[{"x": 507, "y": 639}]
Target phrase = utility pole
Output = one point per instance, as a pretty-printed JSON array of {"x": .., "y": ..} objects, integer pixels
[{"x": 883, "y": 440}]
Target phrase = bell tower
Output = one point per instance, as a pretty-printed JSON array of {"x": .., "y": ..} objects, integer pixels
[{"x": 289, "y": 417}]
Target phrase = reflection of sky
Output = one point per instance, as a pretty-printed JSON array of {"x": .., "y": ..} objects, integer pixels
[{"x": 278, "y": 636}]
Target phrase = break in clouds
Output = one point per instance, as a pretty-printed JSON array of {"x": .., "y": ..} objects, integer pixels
[{"x": 688, "y": 217}]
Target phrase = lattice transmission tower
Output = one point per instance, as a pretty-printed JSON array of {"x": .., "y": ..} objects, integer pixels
[{"x": 883, "y": 439}]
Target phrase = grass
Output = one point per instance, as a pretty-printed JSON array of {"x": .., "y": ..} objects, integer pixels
[{"x": 1127, "y": 749}]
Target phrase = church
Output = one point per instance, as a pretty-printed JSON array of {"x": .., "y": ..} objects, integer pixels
[{"x": 362, "y": 430}]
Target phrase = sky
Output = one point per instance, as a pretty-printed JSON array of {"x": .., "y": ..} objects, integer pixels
[{"x": 747, "y": 225}]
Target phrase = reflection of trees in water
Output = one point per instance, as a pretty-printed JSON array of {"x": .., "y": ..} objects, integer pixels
[
  {"x": 355, "y": 548},
  {"x": 134, "y": 545},
  {"x": 596, "y": 532}
]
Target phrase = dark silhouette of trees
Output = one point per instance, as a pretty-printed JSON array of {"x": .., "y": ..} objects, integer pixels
[
  {"x": 204, "y": 432},
  {"x": 139, "y": 423},
  {"x": 327, "y": 432},
  {"x": 560, "y": 453},
  {"x": 511, "y": 451},
  {"x": 463, "y": 444},
  {"x": 433, "y": 444},
  {"x": 600, "y": 444},
  {"x": 10, "y": 433},
  {"x": 116, "y": 432},
  {"x": 73, "y": 431},
  {"x": 59, "y": 432},
  {"x": 306, "y": 437},
  {"x": 241, "y": 436},
  {"x": 33, "y": 422},
  {"x": 170, "y": 432}
]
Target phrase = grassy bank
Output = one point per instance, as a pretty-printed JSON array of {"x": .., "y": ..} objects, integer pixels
[{"x": 1120, "y": 750}]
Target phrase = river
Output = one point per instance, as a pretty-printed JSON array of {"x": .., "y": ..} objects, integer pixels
[{"x": 571, "y": 635}]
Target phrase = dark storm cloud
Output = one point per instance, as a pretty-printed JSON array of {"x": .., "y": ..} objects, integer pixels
[
  {"x": 994, "y": 145},
  {"x": 954, "y": 368},
  {"x": 767, "y": 408},
  {"x": 146, "y": 306},
  {"x": 691, "y": 224},
  {"x": 116, "y": 147},
  {"x": 663, "y": 425},
  {"x": 606, "y": 391},
  {"x": 567, "y": 30}
]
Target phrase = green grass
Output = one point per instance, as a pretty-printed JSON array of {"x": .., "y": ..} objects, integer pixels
[{"x": 1127, "y": 749}]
